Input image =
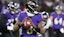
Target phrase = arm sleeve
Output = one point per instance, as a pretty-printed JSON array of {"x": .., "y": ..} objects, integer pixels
[{"x": 20, "y": 17}]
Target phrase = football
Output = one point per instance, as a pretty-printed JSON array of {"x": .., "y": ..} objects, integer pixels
[{"x": 27, "y": 23}]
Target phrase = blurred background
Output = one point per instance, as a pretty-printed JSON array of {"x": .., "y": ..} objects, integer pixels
[{"x": 44, "y": 5}]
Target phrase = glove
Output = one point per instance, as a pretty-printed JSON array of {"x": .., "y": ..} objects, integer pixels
[
  {"x": 62, "y": 30},
  {"x": 10, "y": 27}
]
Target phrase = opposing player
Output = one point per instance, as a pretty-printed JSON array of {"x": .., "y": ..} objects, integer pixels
[
  {"x": 56, "y": 22},
  {"x": 45, "y": 17}
]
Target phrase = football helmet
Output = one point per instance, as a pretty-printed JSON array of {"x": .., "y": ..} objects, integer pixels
[{"x": 13, "y": 7}]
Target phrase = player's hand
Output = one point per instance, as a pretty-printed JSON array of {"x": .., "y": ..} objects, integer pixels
[
  {"x": 23, "y": 21},
  {"x": 62, "y": 30},
  {"x": 43, "y": 30},
  {"x": 28, "y": 20},
  {"x": 10, "y": 27}
]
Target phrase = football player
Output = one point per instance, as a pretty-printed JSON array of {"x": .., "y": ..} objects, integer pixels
[
  {"x": 29, "y": 21},
  {"x": 55, "y": 21},
  {"x": 44, "y": 16},
  {"x": 12, "y": 14}
]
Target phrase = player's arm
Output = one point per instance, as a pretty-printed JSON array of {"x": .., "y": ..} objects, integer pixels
[
  {"x": 37, "y": 29},
  {"x": 18, "y": 24},
  {"x": 32, "y": 24},
  {"x": 40, "y": 27},
  {"x": 49, "y": 22}
]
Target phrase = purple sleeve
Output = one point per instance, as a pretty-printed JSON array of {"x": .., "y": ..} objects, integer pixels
[
  {"x": 8, "y": 15},
  {"x": 20, "y": 18},
  {"x": 36, "y": 19},
  {"x": 39, "y": 18}
]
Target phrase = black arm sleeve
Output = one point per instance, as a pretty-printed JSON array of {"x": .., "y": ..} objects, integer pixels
[{"x": 37, "y": 29}]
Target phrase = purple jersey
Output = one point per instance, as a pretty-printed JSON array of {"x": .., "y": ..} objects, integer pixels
[
  {"x": 24, "y": 31},
  {"x": 36, "y": 19},
  {"x": 11, "y": 18},
  {"x": 57, "y": 20},
  {"x": 22, "y": 16}
]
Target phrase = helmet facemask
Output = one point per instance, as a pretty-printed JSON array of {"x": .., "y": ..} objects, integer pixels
[
  {"x": 31, "y": 6},
  {"x": 58, "y": 9},
  {"x": 13, "y": 7}
]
